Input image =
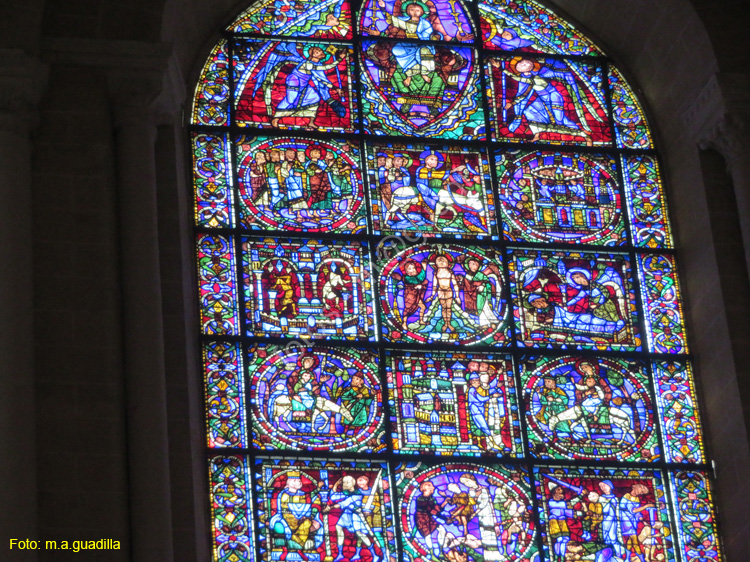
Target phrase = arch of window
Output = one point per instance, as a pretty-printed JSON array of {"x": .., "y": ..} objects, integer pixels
[{"x": 440, "y": 309}]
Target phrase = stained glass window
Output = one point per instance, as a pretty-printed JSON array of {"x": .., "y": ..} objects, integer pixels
[{"x": 441, "y": 315}]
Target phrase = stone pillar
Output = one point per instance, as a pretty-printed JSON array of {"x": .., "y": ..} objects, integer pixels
[
  {"x": 134, "y": 91},
  {"x": 22, "y": 80}
]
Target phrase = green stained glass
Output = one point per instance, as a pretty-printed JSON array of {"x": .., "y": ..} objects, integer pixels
[
  {"x": 631, "y": 126},
  {"x": 315, "y": 399},
  {"x": 211, "y": 99},
  {"x": 678, "y": 408},
  {"x": 548, "y": 196},
  {"x": 212, "y": 180},
  {"x": 326, "y": 19},
  {"x": 432, "y": 191},
  {"x": 225, "y": 394},
  {"x": 453, "y": 403},
  {"x": 663, "y": 303},
  {"x": 218, "y": 285},
  {"x": 510, "y": 25},
  {"x": 647, "y": 205},
  {"x": 589, "y": 408},
  {"x": 232, "y": 524},
  {"x": 696, "y": 516}
]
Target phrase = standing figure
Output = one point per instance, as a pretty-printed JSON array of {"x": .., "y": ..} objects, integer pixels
[
  {"x": 352, "y": 518},
  {"x": 489, "y": 528},
  {"x": 447, "y": 288},
  {"x": 415, "y": 285}
]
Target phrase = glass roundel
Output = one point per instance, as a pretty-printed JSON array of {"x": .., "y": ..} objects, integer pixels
[{"x": 441, "y": 316}]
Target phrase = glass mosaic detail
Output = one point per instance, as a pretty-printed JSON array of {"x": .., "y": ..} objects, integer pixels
[
  {"x": 423, "y": 90},
  {"x": 300, "y": 185},
  {"x": 678, "y": 408},
  {"x": 231, "y": 518},
  {"x": 510, "y": 25},
  {"x": 213, "y": 193},
  {"x": 573, "y": 300},
  {"x": 547, "y": 100},
  {"x": 453, "y": 403},
  {"x": 589, "y": 408},
  {"x": 326, "y": 19},
  {"x": 294, "y": 85},
  {"x": 443, "y": 293},
  {"x": 646, "y": 202},
  {"x": 211, "y": 99},
  {"x": 696, "y": 516},
  {"x": 604, "y": 515},
  {"x": 560, "y": 197},
  {"x": 317, "y": 511},
  {"x": 436, "y": 20},
  {"x": 315, "y": 398},
  {"x": 217, "y": 285},
  {"x": 463, "y": 512},
  {"x": 662, "y": 304},
  {"x": 225, "y": 394},
  {"x": 307, "y": 288},
  {"x": 430, "y": 191},
  {"x": 631, "y": 126}
]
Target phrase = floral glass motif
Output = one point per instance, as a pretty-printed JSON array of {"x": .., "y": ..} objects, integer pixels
[
  {"x": 604, "y": 514},
  {"x": 325, "y": 19},
  {"x": 307, "y": 288},
  {"x": 696, "y": 517},
  {"x": 588, "y": 408},
  {"x": 213, "y": 193},
  {"x": 232, "y": 524},
  {"x": 574, "y": 300},
  {"x": 300, "y": 184},
  {"x": 560, "y": 197},
  {"x": 509, "y": 25},
  {"x": 631, "y": 127},
  {"x": 429, "y": 20},
  {"x": 663, "y": 303},
  {"x": 547, "y": 100},
  {"x": 211, "y": 99},
  {"x": 429, "y": 190},
  {"x": 465, "y": 512},
  {"x": 421, "y": 90},
  {"x": 294, "y": 85},
  {"x": 315, "y": 398},
  {"x": 225, "y": 394},
  {"x": 320, "y": 511},
  {"x": 647, "y": 206},
  {"x": 443, "y": 293},
  {"x": 453, "y": 403},
  {"x": 218, "y": 285},
  {"x": 678, "y": 409}
]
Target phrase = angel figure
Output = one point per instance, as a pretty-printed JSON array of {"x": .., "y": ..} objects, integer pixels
[
  {"x": 540, "y": 103},
  {"x": 305, "y": 87}
]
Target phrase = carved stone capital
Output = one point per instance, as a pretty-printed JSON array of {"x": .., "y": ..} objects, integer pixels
[
  {"x": 23, "y": 79},
  {"x": 719, "y": 117},
  {"x": 140, "y": 76}
]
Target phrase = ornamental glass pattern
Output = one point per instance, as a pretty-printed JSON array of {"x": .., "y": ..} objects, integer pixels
[{"x": 441, "y": 315}]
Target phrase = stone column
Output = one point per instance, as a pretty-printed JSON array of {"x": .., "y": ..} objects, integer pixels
[
  {"x": 22, "y": 79},
  {"x": 134, "y": 91}
]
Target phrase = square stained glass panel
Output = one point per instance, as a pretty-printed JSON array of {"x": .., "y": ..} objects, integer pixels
[
  {"x": 453, "y": 403},
  {"x": 431, "y": 191},
  {"x": 573, "y": 300},
  {"x": 315, "y": 399},
  {"x": 307, "y": 288}
]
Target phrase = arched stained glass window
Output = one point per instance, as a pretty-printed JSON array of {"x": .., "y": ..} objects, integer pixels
[{"x": 440, "y": 311}]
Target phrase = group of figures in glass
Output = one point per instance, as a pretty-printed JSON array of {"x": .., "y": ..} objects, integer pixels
[{"x": 441, "y": 268}]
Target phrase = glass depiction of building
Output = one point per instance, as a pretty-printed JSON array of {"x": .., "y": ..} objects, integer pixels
[{"x": 441, "y": 315}]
